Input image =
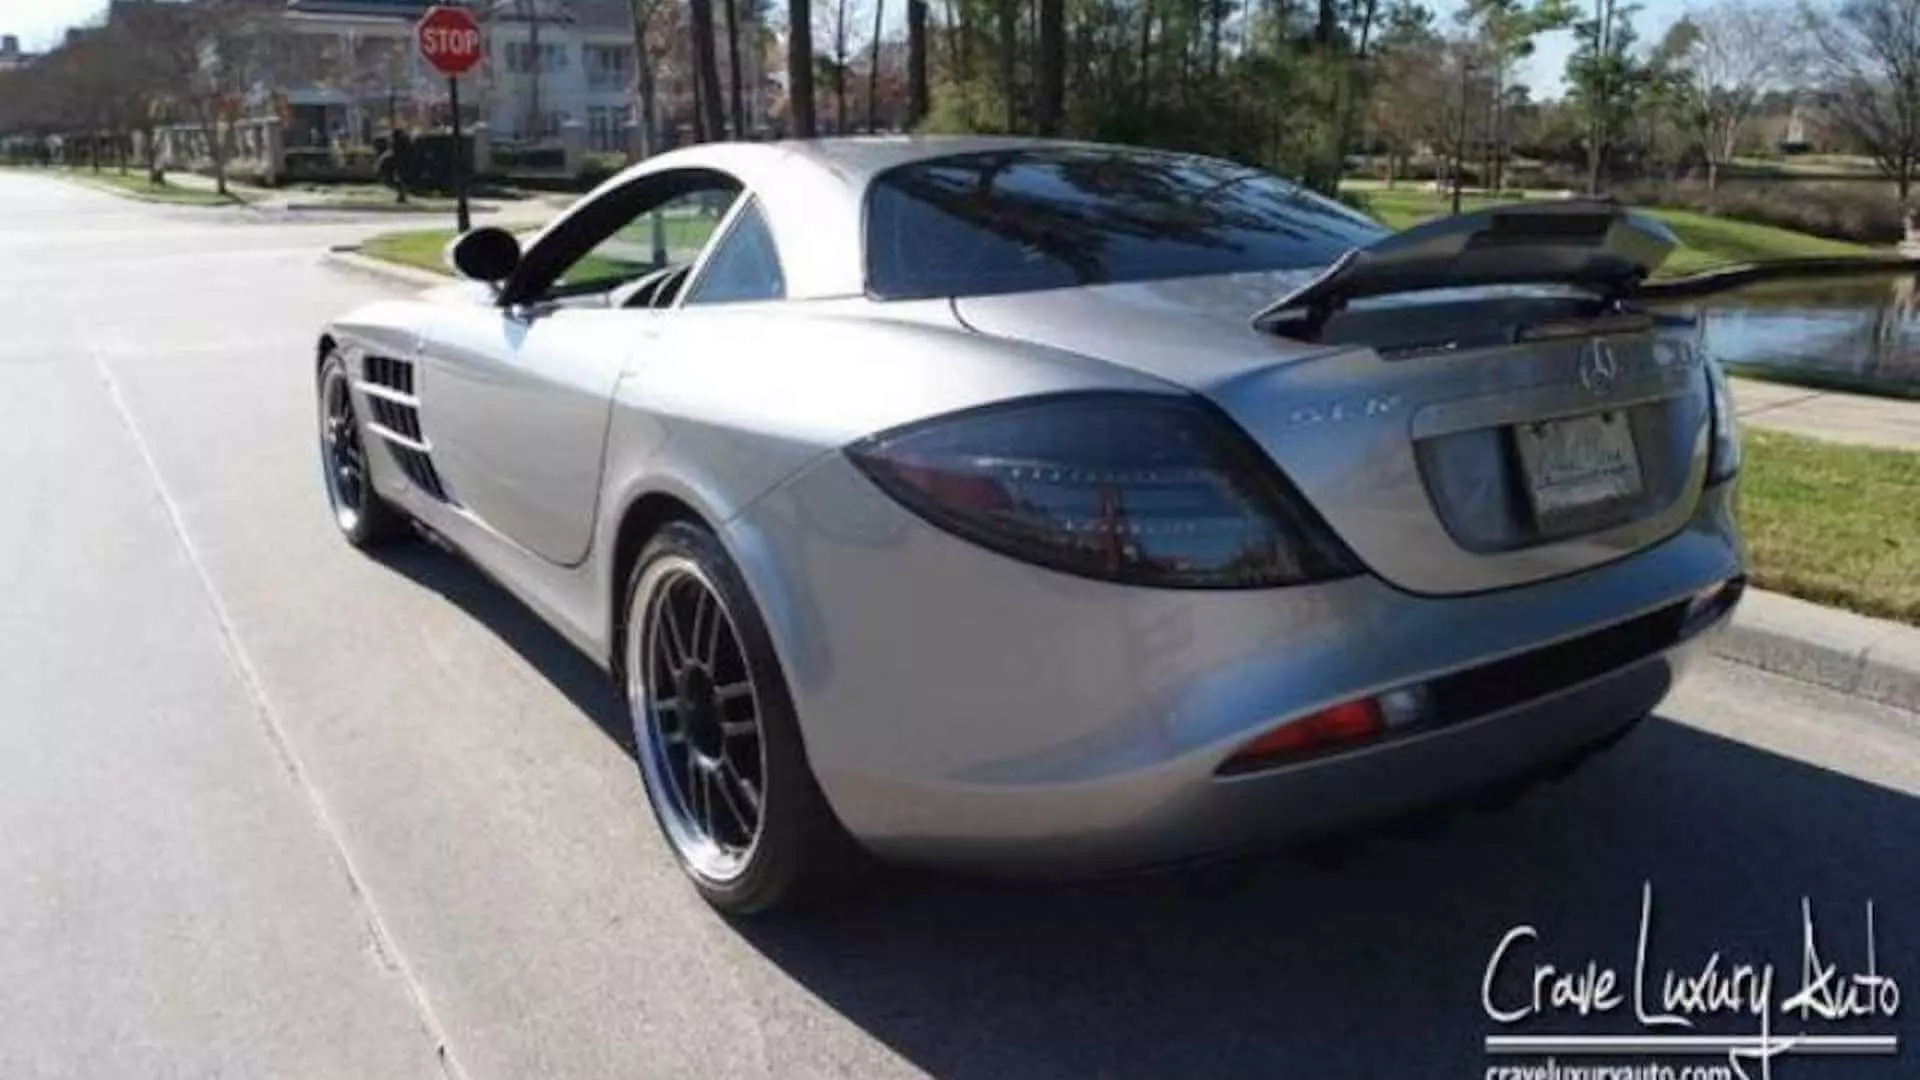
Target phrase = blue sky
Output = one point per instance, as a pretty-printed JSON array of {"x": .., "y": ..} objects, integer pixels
[
  {"x": 1541, "y": 72},
  {"x": 40, "y": 22}
]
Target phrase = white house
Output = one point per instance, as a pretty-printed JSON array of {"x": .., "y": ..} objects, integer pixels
[{"x": 345, "y": 70}]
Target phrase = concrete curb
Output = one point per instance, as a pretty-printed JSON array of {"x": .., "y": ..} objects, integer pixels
[
  {"x": 384, "y": 208},
  {"x": 347, "y": 257},
  {"x": 1867, "y": 658}
]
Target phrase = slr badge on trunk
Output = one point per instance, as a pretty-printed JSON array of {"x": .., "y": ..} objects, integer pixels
[{"x": 1341, "y": 410}]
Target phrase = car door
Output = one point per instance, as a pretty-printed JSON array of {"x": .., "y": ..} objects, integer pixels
[{"x": 518, "y": 394}]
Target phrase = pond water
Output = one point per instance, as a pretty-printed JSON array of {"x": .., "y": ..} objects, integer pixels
[{"x": 1846, "y": 333}]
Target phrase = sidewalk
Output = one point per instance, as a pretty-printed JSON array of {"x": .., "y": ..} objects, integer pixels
[
  {"x": 1828, "y": 414},
  {"x": 511, "y": 212},
  {"x": 1870, "y": 658},
  {"x": 263, "y": 198}
]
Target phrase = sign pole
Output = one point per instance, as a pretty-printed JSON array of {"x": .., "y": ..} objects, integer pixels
[
  {"x": 461, "y": 217},
  {"x": 450, "y": 41}
]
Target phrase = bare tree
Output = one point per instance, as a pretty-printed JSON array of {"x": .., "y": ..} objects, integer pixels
[
  {"x": 800, "y": 69},
  {"x": 916, "y": 61},
  {"x": 706, "y": 73},
  {"x": 1411, "y": 94},
  {"x": 646, "y": 108},
  {"x": 873, "y": 70},
  {"x": 1050, "y": 76},
  {"x": 1866, "y": 54},
  {"x": 1739, "y": 48},
  {"x": 205, "y": 61},
  {"x": 837, "y": 20},
  {"x": 736, "y": 95},
  {"x": 1507, "y": 30}
]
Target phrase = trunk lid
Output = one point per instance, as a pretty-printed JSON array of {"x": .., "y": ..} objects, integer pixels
[{"x": 1456, "y": 440}]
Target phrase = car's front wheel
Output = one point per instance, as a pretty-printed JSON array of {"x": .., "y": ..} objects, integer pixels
[
  {"x": 364, "y": 518},
  {"x": 716, "y": 736}
]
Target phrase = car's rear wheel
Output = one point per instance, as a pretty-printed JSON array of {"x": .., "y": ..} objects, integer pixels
[
  {"x": 716, "y": 736},
  {"x": 364, "y": 518}
]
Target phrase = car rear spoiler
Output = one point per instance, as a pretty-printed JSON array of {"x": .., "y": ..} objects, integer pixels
[{"x": 1593, "y": 245}]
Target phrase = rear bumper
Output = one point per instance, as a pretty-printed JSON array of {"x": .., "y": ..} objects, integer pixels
[
  {"x": 1184, "y": 818},
  {"x": 964, "y": 709}
]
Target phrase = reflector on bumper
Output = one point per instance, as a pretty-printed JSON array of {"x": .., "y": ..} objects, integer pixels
[{"x": 1342, "y": 725}]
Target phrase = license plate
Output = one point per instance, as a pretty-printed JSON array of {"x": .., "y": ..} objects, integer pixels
[{"x": 1578, "y": 463}]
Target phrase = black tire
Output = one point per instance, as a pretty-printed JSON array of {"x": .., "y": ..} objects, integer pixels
[
  {"x": 800, "y": 852},
  {"x": 364, "y": 518}
]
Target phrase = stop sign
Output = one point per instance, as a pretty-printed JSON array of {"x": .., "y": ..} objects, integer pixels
[{"x": 449, "y": 39}]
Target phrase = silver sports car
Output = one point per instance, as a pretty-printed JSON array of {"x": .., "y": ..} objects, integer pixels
[{"x": 1053, "y": 507}]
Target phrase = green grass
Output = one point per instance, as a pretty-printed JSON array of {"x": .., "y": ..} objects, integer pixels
[
  {"x": 1805, "y": 165},
  {"x": 685, "y": 235},
  {"x": 418, "y": 248},
  {"x": 1833, "y": 523},
  {"x": 1705, "y": 241},
  {"x": 133, "y": 184},
  {"x": 421, "y": 249}
]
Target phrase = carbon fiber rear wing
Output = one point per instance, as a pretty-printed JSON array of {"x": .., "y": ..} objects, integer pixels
[{"x": 1600, "y": 247}]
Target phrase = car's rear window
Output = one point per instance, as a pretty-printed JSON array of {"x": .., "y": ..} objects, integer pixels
[{"x": 1013, "y": 221}]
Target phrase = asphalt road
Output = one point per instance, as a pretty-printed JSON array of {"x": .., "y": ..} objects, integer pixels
[{"x": 272, "y": 809}]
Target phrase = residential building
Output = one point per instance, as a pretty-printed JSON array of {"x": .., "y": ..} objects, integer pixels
[
  {"x": 12, "y": 57},
  {"x": 341, "y": 71},
  {"x": 345, "y": 70},
  {"x": 555, "y": 63}
]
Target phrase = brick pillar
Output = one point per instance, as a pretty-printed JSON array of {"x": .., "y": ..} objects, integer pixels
[
  {"x": 482, "y": 135},
  {"x": 573, "y": 143}
]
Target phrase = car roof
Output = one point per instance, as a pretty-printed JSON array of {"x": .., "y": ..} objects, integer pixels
[
  {"x": 860, "y": 158},
  {"x": 815, "y": 210},
  {"x": 857, "y": 159}
]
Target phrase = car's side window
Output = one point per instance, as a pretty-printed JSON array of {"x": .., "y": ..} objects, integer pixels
[
  {"x": 744, "y": 267},
  {"x": 669, "y": 234}
]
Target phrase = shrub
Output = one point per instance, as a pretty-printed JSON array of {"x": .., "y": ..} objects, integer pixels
[
  {"x": 597, "y": 168},
  {"x": 534, "y": 159},
  {"x": 1864, "y": 213},
  {"x": 430, "y": 160}
]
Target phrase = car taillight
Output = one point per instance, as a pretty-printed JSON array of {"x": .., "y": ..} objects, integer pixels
[
  {"x": 1146, "y": 489},
  {"x": 1724, "y": 455}
]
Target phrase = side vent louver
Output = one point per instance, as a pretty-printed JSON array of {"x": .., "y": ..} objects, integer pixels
[{"x": 388, "y": 386}]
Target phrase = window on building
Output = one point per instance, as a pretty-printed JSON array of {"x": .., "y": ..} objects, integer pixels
[
  {"x": 537, "y": 127},
  {"x": 610, "y": 59},
  {"x": 553, "y": 57}
]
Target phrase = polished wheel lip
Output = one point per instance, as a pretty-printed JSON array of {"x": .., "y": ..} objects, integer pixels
[
  {"x": 343, "y": 457},
  {"x": 694, "y": 780}
]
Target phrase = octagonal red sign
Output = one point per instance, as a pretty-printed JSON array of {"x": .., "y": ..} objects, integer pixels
[{"x": 449, "y": 39}]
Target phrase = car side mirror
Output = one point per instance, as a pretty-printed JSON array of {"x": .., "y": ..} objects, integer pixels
[{"x": 488, "y": 253}]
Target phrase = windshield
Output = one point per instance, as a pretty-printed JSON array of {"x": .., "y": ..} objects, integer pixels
[{"x": 1014, "y": 221}]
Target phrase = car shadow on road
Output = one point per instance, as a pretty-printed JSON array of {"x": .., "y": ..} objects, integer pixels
[
  {"x": 485, "y": 601},
  {"x": 1370, "y": 968},
  {"x": 1374, "y": 968}
]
